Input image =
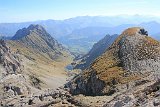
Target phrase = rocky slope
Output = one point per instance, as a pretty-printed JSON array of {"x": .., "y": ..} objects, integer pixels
[
  {"x": 16, "y": 89},
  {"x": 44, "y": 59},
  {"x": 22, "y": 88},
  {"x": 12, "y": 82},
  {"x": 133, "y": 59},
  {"x": 98, "y": 49},
  {"x": 31, "y": 63},
  {"x": 9, "y": 63}
]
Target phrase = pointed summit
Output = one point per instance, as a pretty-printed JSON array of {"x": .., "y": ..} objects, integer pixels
[
  {"x": 26, "y": 31},
  {"x": 34, "y": 26},
  {"x": 36, "y": 38}
]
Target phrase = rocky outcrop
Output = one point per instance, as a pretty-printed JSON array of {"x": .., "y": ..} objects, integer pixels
[
  {"x": 12, "y": 80},
  {"x": 82, "y": 87},
  {"x": 98, "y": 49},
  {"x": 140, "y": 52},
  {"x": 143, "y": 96},
  {"x": 56, "y": 98},
  {"x": 9, "y": 63},
  {"x": 14, "y": 85},
  {"x": 133, "y": 58}
]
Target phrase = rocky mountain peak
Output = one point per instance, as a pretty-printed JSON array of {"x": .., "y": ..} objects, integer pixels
[
  {"x": 137, "y": 47},
  {"x": 28, "y": 31},
  {"x": 35, "y": 26},
  {"x": 131, "y": 57},
  {"x": 37, "y": 39}
]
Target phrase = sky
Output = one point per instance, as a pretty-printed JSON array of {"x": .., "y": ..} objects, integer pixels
[{"x": 31, "y": 10}]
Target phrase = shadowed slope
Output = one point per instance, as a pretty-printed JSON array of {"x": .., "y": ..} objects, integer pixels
[{"x": 98, "y": 49}]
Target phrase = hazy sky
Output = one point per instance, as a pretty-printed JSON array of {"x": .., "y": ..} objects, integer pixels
[{"x": 30, "y": 10}]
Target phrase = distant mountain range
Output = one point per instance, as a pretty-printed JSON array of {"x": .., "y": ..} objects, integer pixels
[{"x": 80, "y": 33}]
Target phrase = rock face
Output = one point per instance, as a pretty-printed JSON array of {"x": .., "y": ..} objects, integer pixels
[
  {"x": 9, "y": 63},
  {"x": 142, "y": 96},
  {"x": 36, "y": 38},
  {"x": 98, "y": 49},
  {"x": 134, "y": 57},
  {"x": 12, "y": 82},
  {"x": 46, "y": 98},
  {"x": 139, "y": 53}
]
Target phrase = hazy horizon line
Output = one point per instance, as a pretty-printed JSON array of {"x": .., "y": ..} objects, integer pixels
[{"x": 62, "y": 19}]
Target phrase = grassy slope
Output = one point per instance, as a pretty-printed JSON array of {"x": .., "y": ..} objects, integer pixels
[
  {"x": 109, "y": 67},
  {"x": 51, "y": 73}
]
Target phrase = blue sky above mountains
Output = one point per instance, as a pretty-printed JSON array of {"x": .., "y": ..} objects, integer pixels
[{"x": 30, "y": 10}]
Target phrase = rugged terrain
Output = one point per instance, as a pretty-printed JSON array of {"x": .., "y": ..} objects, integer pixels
[
  {"x": 31, "y": 62},
  {"x": 130, "y": 65},
  {"x": 126, "y": 74},
  {"x": 9, "y": 62},
  {"x": 42, "y": 55},
  {"x": 12, "y": 81}
]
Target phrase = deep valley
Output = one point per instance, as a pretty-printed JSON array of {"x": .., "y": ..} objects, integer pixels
[{"x": 79, "y": 53}]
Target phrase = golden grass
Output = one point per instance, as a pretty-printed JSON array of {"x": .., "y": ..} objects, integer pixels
[
  {"x": 131, "y": 31},
  {"x": 108, "y": 66},
  {"x": 152, "y": 41}
]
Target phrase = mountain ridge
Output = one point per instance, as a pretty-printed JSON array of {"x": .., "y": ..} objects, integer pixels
[
  {"x": 65, "y": 30},
  {"x": 98, "y": 49},
  {"x": 132, "y": 57}
]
